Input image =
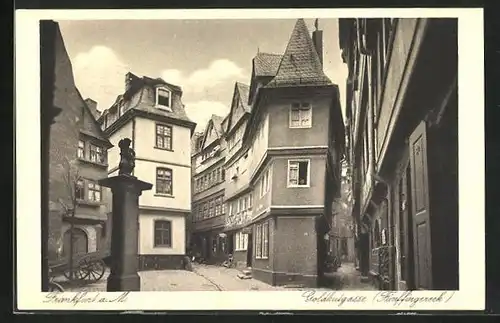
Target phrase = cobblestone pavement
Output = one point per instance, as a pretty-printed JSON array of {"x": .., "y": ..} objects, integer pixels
[
  {"x": 350, "y": 278},
  {"x": 202, "y": 278},
  {"x": 217, "y": 278}
]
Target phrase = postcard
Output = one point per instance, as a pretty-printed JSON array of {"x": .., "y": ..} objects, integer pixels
[{"x": 237, "y": 159}]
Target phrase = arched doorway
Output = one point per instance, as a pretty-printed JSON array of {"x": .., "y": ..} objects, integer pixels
[{"x": 80, "y": 242}]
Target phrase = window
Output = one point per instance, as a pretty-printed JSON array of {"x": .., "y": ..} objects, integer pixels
[
  {"x": 267, "y": 180},
  {"x": 96, "y": 154},
  {"x": 164, "y": 181},
  {"x": 218, "y": 175},
  {"x": 80, "y": 190},
  {"x": 223, "y": 174},
  {"x": 205, "y": 210},
  {"x": 218, "y": 206},
  {"x": 212, "y": 208},
  {"x": 163, "y": 234},
  {"x": 265, "y": 240},
  {"x": 241, "y": 241},
  {"x": 250, "y": 201},
  {"x": 258, "y": 242},
  {"x": 163, "y": 98},
  {"x": 94, "y": 192},
  {"x": 81, "y": 149},
  {"x": 198, "y": 181},
  {"x": 163, "y": 137},
  {"x": 264, "y": 183},
  {"x": 223, "y": 211},
  {"x": 298, "y": 173},
  {"x": 231, "y": 208},
  {"x": 262, "y": 241},
  {"x": 300, "y": 115}
]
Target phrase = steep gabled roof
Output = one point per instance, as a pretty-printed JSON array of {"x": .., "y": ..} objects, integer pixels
[
  {"x": 300, "y": 64},
  {"x": 215, "y": 122},
  {"x": 244, "y": 91},
  {"x": 239, "y": 105},
  {"x": 266, "y": 64}
]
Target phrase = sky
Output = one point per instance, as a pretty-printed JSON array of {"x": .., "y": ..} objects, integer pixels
[{"x": 204, "y": 57}]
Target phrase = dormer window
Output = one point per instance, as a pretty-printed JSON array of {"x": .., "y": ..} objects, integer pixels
[{"x": 163, "y": 98}]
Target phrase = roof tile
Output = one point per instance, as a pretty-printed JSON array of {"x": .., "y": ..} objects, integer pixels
[
  {"x": 266, "y": 64},
  {"x": 300, "y": 64}
]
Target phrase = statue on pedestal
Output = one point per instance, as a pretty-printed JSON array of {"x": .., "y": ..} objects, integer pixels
[{"x": 127, "y": 160}]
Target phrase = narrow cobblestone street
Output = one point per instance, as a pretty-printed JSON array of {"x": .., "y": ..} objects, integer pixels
[
  {"x": 217, "y": 278},
  {"x": 202, "y": 278},
  {"x": 350, "y": 278}
]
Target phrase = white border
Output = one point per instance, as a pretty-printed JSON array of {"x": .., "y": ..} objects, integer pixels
[{"x": 471, "y": 155}]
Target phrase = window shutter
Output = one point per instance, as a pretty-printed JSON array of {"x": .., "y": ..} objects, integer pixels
[{"x": 420, "y": 207}]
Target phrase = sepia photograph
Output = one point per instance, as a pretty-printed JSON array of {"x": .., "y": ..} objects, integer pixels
[{"x": 317, "y": 155}]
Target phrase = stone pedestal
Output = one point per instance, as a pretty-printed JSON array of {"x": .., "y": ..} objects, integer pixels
[{"x": 126, "y": 190}]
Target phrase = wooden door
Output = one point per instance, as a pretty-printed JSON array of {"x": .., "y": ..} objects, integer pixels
[{"x": 420, "y": 208}]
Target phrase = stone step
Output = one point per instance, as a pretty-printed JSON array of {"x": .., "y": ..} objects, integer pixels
[{"x": 243, "y": 276}]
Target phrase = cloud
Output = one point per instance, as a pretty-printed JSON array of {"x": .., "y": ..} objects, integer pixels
[
  {"x": 100, "y": 74},
  {"x": 219, "y": 71},
  {"x": 201, "y": 111}
]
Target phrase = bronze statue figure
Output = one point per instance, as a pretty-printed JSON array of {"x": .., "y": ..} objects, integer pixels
[{"x": 127, "y": 160}]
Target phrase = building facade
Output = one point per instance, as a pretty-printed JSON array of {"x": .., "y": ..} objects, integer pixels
[
  {"x": 402, "y": 129},
  {"x": 207, "y": 217},
  {"x": 78, "y": 159},
  {"x": 342, "y": 233},
  {"x": 285, "y": 140},
  {"x": 150, "y": 112}
]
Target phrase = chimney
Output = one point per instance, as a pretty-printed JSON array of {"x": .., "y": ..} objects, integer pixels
[
  {"x": 317, "y": 38},
  {"x": 93, "y": 107},
  {"x": 129, "y": 78}
]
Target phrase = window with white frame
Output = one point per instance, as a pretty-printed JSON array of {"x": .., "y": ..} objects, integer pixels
[
  {"x": 81, "y": 149},
  {"x": 298, "y": 173},
  {"x": 163, "y": 233},
  {"x": 97, "y": 154},
  {"x": 163, "y": 137},
  {"x": 163, "y": 98},
  {"x": 258, "y": 241},
  {"x": 265, "y": 183},
  {"x": 300, "y": 115},
  {"x": 94, "y": 191},
  {"x": 241, "y": 241},
  {"x": 164, "y": 181},
  {"x": 262, "y": 241}
]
